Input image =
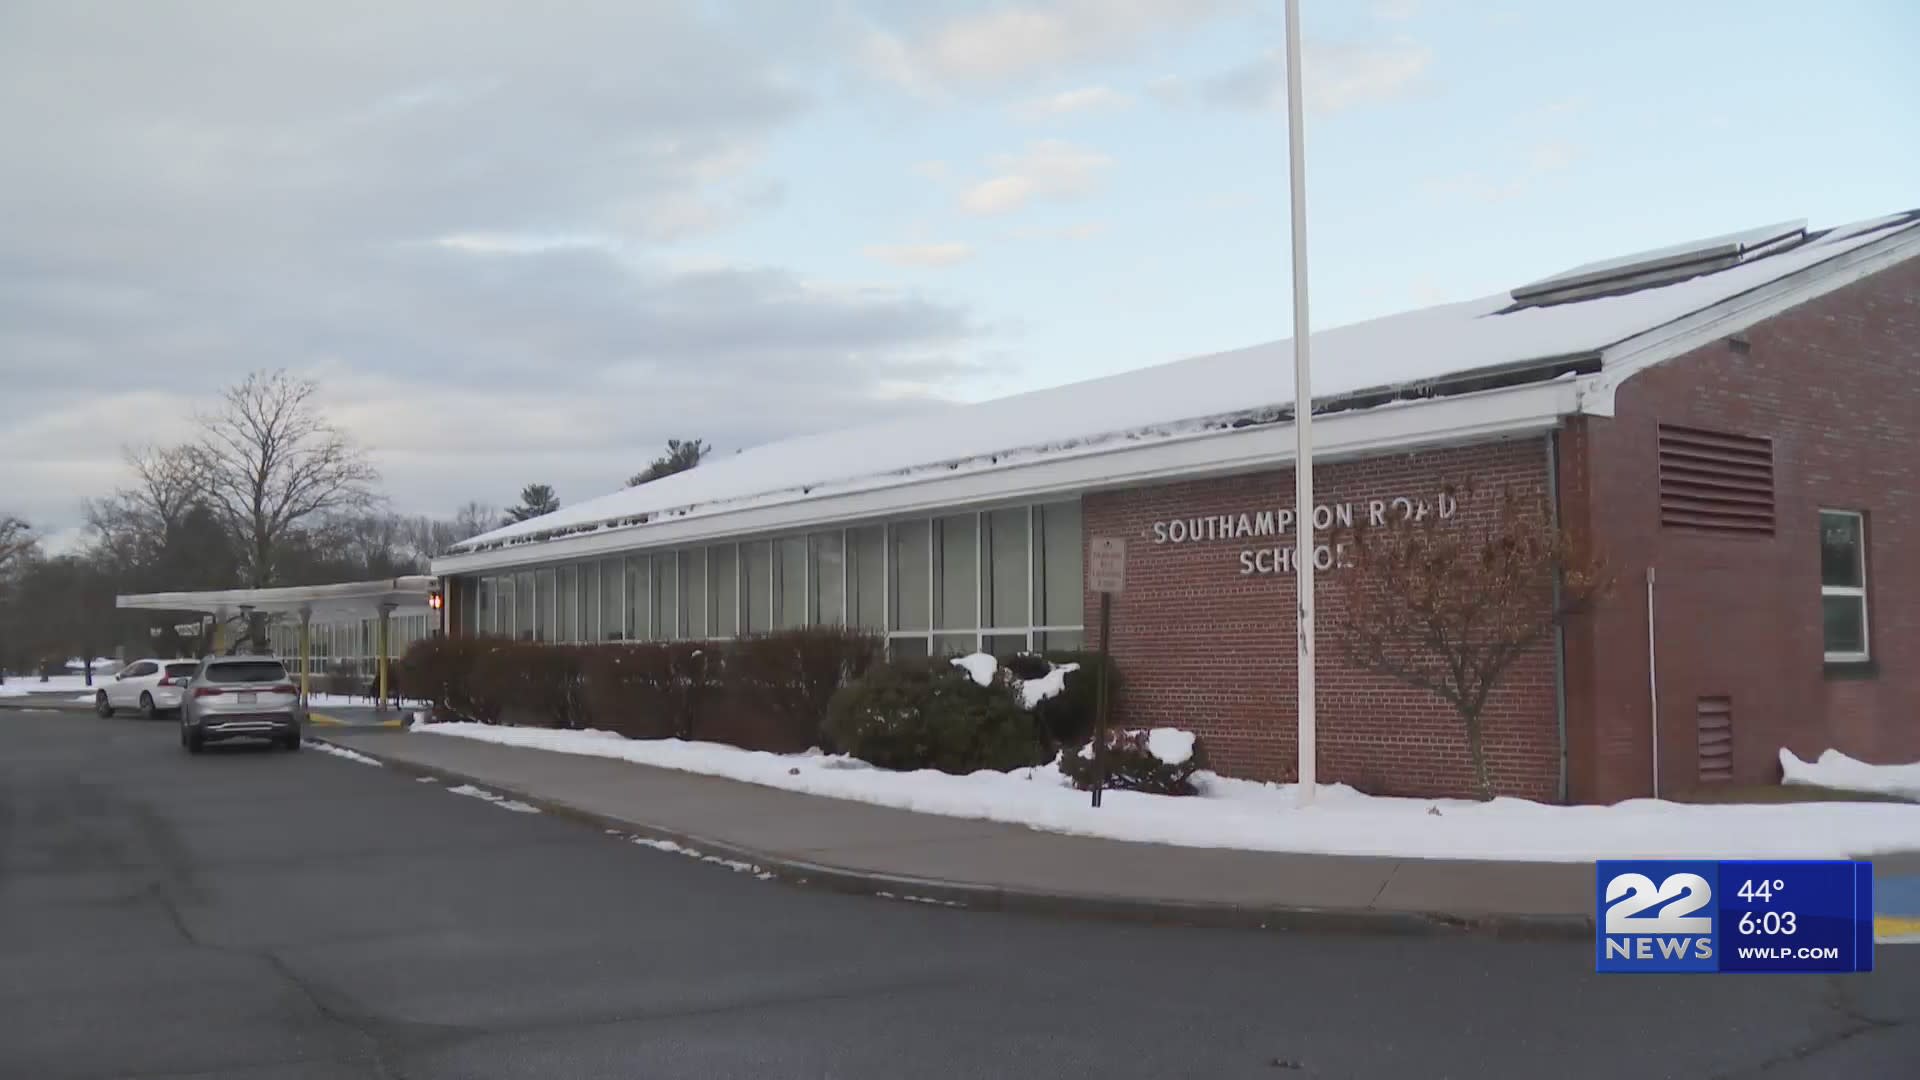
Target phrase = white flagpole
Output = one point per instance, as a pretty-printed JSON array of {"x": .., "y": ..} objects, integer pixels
[{"x": 1302, "y": 406}]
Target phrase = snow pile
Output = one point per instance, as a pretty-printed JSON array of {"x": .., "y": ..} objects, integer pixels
[
  {"x": 1170, "y": 745},
  {"x": 1836, "y": 770},
  {"x": 981, "y": 667},
  {"x": 736, "y": 865},
  {"x": 345, "y": 700},
  {"x": 1263, "y": 817},
  {"x": 978, "y": 665}
]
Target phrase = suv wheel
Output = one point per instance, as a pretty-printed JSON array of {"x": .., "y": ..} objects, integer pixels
[
  {"x": 147, "y": 711},
  {"x": 100, "y": 705},
  {"x": 291, "y": 742},
  {"x": 190, "y": 738}
]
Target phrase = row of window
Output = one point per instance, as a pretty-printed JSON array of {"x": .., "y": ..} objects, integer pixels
[
  {"x": 999, "y": 580},
  {"x": 351, "y": 643}
]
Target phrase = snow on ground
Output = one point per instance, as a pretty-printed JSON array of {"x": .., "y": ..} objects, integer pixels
[
  {"x": 1834, "y": 769},
  {"x": 22, "y": 685},
  {"x": 735, "y": 865},
  {"x": 343, "y": 752},
  {"x": 1264, "y": 817},
  {"x": 500, "y": 801}
]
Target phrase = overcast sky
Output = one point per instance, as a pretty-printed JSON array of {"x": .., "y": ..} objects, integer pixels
[{"x": 530, "y": 242}]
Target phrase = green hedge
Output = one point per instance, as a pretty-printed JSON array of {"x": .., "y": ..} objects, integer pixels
[
  {"x": 1132, "y": 767},
  {"x": 930, "y": 714}
]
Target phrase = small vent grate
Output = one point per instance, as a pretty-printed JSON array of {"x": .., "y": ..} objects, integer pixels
[
  {"x": 1716, "y": 481},
  {"x": 1713, "y": 718}
]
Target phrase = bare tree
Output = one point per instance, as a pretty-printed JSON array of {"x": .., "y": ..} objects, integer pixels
[
  {"x": 133, "y": 525},
  {"x": 272, "y": 465},
  {"x": 681, "y": 455},
  {"x": 473, "y": 518},
  {"x": 17, "y": 540},
  {"x": 1448, "y": 606}
]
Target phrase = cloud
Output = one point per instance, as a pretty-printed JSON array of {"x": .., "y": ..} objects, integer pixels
[
  {"x": 475, "y": 224},
  {"x": 1084, "y": 99},
  {"x": 1013, "y": 42},
  {"x": 1336, "y": 76},
  {"x": 936, "y": 254},
  {"x": 1396, "y": 10},
  {"x": 1049, "y": 169},
  {"x": 937, "y": 171}
]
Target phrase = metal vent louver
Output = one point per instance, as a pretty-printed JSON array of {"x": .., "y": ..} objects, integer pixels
[{"x": 1716, "y": 481}]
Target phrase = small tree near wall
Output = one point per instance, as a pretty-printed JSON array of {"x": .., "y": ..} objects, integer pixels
[{"x": 1447, "y": 607}]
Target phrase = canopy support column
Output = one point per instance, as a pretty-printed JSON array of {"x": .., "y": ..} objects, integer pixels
[
  {"x": 306, "y": 655},
  {"x": 386, "y": 624}
]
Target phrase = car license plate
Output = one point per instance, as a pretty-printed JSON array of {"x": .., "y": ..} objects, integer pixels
[{"x": 248, "y": 699}]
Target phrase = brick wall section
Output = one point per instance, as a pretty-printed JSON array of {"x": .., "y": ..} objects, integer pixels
[
  {"x": 1203, "y": 647},
  {"x": 1835, "y": 383}
]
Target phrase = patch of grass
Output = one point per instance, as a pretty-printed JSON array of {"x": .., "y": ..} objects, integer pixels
[{"x": 1779, "y": 793}]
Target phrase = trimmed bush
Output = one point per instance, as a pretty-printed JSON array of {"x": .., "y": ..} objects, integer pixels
[
  {"x": 1131, "y": 766},
  {"x": 1067, "y": 718},
  {"x": 930, "y": 714},
  {"x": 785, "y": 682},
  {"x": 652, "y": 690}
]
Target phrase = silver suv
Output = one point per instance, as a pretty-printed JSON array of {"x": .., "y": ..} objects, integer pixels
[{"x": 241, "y": 697}]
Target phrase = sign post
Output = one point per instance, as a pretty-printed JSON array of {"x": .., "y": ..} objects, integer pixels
[{"x": 1106, "y": 575}]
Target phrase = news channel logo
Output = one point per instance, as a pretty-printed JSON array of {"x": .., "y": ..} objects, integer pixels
[{"x": 1733, "y": 915}]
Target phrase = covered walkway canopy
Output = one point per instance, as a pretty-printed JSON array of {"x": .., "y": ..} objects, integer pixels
[{"x": 380, "y": 599}]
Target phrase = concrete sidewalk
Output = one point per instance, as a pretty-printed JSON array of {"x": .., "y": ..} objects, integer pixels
[{"x": 857, "y": 847}]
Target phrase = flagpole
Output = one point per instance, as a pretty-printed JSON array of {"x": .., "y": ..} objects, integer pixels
[{"x": 1302, "y": 409}]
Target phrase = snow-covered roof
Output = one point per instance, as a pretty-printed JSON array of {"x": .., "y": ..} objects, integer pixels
[{"x": 1410, "y": 348}]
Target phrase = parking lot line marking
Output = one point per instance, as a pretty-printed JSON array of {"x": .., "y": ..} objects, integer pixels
[
  {"x": 1896, "y": 930},
  {"x": 320, "y": 719}
]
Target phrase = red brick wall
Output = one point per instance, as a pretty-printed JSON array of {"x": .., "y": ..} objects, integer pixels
[
  {"x": 1835, "y": 384},
  {"x": 1203, "y": 647}
]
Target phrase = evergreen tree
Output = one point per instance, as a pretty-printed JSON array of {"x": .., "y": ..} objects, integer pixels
[
  {"x": 535, "y": 500},
  {"x": 681, "y": 455}
]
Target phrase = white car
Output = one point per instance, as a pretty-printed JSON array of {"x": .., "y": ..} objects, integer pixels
[{"x": 151, "y": 686}]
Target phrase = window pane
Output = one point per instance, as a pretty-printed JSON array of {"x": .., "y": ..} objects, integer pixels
[
  {"x": 639, "y": 597},
  {"x": 666, "y": 596},
  {"x": 589, "y": 602},
  {"x": 1846, "y": 623},
  {"x": 1004, "y": 645},
  {"x": 693, "y": 593},
  {"x": 523, "y": 606},
  {"x": 908, "y": 589},
  {"x": 613, "y": 601},
  {"x": 827, "y": 580},
  {"x": 1059, "y": 640},
  {"x": 1840, "y": 550},
  {"x": 469, "y": 595},
  {"x": 956, "y": 598},
  {"x": 543, "y": 598},
  {"x": 866, "y": 580},
  {"x": 758, "y": 581},
  {"x": 1056, "y": 565},
  {"x": 955, "y": 644},
  {"x": 1003, "y": 595},
  {"x": 724, "y": 591},
  {"x": 791, "y": 582},
  {"x": 899, "y": 648},
  {"x": 483, "y": 609},
  {"x": 568, "y": 602}
]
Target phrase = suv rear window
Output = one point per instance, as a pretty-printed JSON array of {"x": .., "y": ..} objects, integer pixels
[
  {"x": 181, "y": 671},
  {"x": 247, "y": 671}
]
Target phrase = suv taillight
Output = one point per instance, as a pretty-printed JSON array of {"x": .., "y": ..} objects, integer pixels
[
  {"x": 283, "y": 688},
  {"x": 166, "y": 680},
  {"x": 208, "y": 691}
]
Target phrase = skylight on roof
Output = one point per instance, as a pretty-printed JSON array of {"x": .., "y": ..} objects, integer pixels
[{"x": 1661, "y": 266}]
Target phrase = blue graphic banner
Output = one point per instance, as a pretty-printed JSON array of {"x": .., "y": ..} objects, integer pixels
[{"x": 1787, "y": 916}]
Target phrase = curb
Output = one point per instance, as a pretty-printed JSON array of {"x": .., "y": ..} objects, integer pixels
[{"x": 1038, "y": 902}]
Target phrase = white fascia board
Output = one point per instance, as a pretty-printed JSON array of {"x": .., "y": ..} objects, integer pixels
[
  {"x": 1623, "y": 360},
  {"x": 1393, "y": 427},
  {"x": 407, "y": 592}
]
